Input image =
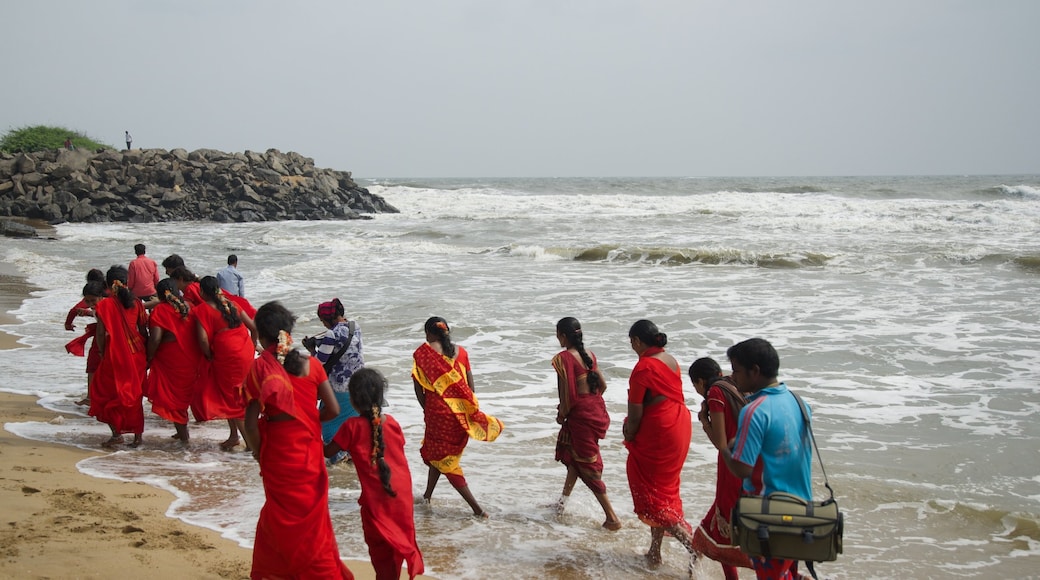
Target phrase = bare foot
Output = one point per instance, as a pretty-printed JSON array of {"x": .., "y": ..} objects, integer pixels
[
  {"x": 612, "y": 525},
  {"x": 84, "y": 402},
  {"x": 653, "y": 561},
  {"x": 112, "y": 441},
  {"x": 229, "y": 444},
  {"x": 482, "y": 516},
  {"x": 136, "y": 442}
]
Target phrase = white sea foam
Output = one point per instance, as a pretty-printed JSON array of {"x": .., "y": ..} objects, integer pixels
[{"x": 899, "y": 316}]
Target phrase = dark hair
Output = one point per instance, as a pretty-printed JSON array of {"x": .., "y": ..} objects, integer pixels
[
  {"x": 210, "y": 289},
  {"x": 756, "y": 352},
  {"x": 570, "y": 328},
  {"x": 167, "y": 291},
  {"x": 183, "y": 274},
  {"x": 95, "y": 275},
  {"x": 705, "y": 369},
  {"x": 271, "y": 320},
  {"x": 366, "y": 395},
  {"x": 172, "y": 262},
  {"x": 232, "y": 259},
  {"x": 116, "y": 280},
  {"x": 139, "y": 249},
  {"x": 648, "y": 333},
  {"x": 438, "y": 327},
  {"x": 94, "y": 288}
]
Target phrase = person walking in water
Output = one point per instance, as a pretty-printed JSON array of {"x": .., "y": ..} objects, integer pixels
[
  {"x": 443, "y": 382},
  {"x": 583, "y": 417}
]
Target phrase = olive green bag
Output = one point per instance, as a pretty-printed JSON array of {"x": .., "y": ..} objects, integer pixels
[{"x": 784, "y": 526}]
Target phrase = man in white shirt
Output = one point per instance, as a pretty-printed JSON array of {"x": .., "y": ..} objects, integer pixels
[{"x": 230, "y": 279}]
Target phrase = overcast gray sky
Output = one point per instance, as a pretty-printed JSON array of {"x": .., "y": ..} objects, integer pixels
[{"x": 544, "y": 88}]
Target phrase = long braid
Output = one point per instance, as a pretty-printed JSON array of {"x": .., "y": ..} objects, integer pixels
[
  {"x": 570, "y": 328},
  {"x": 378, "y": 449},
  {"x": 592, "y": 377},
  {"x": 366, "y": 395},
  {"x": 211, "y": 289}
]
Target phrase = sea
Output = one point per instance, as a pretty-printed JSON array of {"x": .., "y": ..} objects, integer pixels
[{"x": 906, "y": 312}]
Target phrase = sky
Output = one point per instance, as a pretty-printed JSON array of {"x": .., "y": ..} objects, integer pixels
[{"x": 544, "y": 88}]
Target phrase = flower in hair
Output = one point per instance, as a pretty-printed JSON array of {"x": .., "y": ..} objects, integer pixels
[
  {"x": 284, "y": 345},
  {"x": 443, "y": 326}
]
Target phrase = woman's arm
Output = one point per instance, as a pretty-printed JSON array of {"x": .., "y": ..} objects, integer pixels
[
  {"x": 101, "y": 338},
  {"x": 716, "y": 429},
  {"x": 252, "y": 330},
  {"x": 329, "y": 404},
  {"x": 635, "y": 418},
  {"x": 203, "y": 340},
  {"x": 331, "y": 449},
  {"x": 251, "y": 429},
  {"x": 420, "y": 393},
  {"x": 154, "y": 340},
  {"x": 469, "y": 379},
  {"x": 564, "y": 408}
]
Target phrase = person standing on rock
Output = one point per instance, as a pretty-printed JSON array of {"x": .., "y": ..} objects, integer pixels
[{"x": 129, "y": 140}]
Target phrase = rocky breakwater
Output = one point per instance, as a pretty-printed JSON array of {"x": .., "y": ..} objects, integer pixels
[{"x": 147, "y": 185}]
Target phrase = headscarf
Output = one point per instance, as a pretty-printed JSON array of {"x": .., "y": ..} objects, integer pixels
[{"x": 327, "y": 310}]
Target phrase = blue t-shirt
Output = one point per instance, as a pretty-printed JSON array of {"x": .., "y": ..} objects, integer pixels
[{"x": 771, "y": 430}]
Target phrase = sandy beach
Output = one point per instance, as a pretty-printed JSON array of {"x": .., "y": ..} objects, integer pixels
[{"x": 60, "y": 523}]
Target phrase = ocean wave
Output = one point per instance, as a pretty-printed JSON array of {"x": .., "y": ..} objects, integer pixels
[
  {"x": 1027, "y": 192},
  {"x": 663, "y": 256}
]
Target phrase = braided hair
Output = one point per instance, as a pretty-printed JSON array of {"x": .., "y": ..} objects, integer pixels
[
  {"x": 366, "y": 395},
  {"x": 210, "y": 289},
  {"x": 438, "y": 327},
  {"x": 570, "y": 328},
  {"x": 167, "y": 290},
  {"x": 116, "y": 279}
]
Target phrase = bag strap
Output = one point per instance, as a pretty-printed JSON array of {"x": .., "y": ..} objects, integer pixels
[
  {"x": 337, "y": 354},
  {"x": 808, "y": 427}
]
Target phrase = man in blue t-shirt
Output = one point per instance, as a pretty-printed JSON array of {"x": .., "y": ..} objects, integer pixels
[{"x": 770, "y": 431}]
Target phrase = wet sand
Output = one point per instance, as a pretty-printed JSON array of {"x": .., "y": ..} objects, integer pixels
[{"x": 60, "y": 523}]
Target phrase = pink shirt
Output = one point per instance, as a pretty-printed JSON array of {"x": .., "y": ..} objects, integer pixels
[{"x": 143, "y": 275}]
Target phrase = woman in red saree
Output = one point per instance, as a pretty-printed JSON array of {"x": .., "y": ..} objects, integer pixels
[
  {"x": 376, "y": 442},
  {"x": 443, "y": 383},
  {"x": 294, "y": 535},
  {"x": 93, "y": 291},
  {"x": 583, "y": 417},
  {"x": 122, "y": 331},
  {"x": 718, "y": 417},
  {"x": 173, "y": 358},
  {"x": 227, "y": 338},
  {"x": 657, "y": 435}
]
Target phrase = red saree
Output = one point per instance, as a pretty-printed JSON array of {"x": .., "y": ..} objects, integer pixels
[
  {"x": 193, "y": 294},
  {"x": 585, "y": 424},
  {"x": 294, "y": 535},
  {"x": 174, "y": 369},
  {"x": 452, "y": 413},
  {"x": 388, "y": 522},
  {"x": 219, "y": 393},
  {"x": 713, "y": 537},
  {"x": 243, "y": 304},
  {"x": 657, "y": 454},
  {"x": 116, "y": 390}
]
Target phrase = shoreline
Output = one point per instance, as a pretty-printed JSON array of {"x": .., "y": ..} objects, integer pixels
[{"x": 62, "y": 523}]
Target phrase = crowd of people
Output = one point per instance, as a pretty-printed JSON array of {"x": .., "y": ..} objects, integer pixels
[{"x": 198, "y": 345}]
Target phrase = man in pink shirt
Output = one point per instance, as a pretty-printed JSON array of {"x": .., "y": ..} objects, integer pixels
[{"x": 143, "y": 275}]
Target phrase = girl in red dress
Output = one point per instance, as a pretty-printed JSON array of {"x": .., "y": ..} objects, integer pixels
[
  {"x": 376, "y": 443},
  {"x": 173, "y": 358}
]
